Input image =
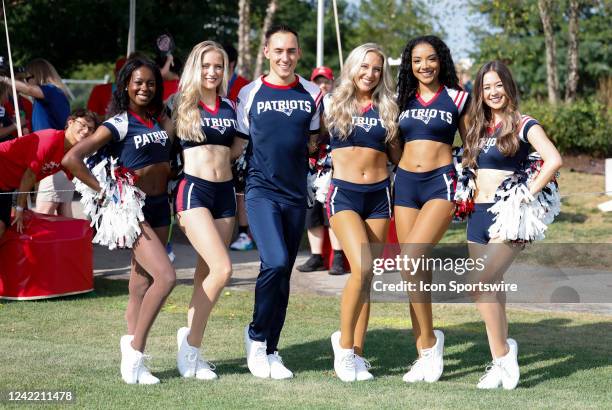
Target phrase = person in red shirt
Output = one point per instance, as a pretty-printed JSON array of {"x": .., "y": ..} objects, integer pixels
[
  {"x": 26, "y": 160},
  {"x": 101, "y": 94},
  {"x": 236, "y": 81}
]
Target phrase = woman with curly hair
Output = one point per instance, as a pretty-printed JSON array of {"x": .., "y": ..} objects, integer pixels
[
  {"x": 431, "y": 105},
  {"x": 140, "y": 144},
  {"x": 205, "y": 123},
  {"x": 497, "y": 142},
  {"x": 361, "y": 117}
]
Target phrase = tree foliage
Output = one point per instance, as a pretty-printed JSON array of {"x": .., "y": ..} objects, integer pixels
[
  {"x": 511, "y": 31},
  {"x": 391, "y": 23}
]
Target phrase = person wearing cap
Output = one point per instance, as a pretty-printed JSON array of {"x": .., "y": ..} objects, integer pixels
[{"x": 316, "y": 217}]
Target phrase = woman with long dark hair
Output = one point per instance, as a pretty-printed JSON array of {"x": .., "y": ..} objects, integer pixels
[
  {"x": 431, "y": 104},
  {"x": 361, "y": 117},
  {"x": 205, "y": 123},
  {"x": 498, "y": 141},
  {"x": 140, "y": 144}
]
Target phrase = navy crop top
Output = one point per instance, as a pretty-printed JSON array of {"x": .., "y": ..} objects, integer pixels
[
  {"x": 137, "y": 142},
  {"x": 436, "y": 119},
  {"x": 490, "y": 157},
  {"x": 218, "y": 125},
  {"x": 368, "y": 132}
]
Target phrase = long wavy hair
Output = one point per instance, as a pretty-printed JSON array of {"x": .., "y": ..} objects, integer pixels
[
  {"x": 343, "y": 100},
  {"x": 121, "y": 100},
  {"x": 408, "y": 84},
  {"x": 479, "y": 116},
  {"x": 44, "y": 73},
  {"x": 186, "y": 115}
]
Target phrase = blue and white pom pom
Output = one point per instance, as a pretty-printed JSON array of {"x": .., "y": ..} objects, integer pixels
[
  {"x": 519, "y": 216},
  {"x": 115, "y": 212}
]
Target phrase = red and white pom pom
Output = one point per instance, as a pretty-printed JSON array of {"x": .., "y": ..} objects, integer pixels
[
  {"x": 519, "y": 216},
  {"x": 464, "y": 193},
  {"x": 117, "y": 217},
  {"x": 321, "y": 185}
]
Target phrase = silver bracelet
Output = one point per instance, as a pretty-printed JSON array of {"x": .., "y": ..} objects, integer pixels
[{"x": 18, "y": 208}]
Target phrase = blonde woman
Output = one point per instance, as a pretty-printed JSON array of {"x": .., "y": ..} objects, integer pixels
[
  {"x": 205, "y": 123},
  {"x": 50, "y": 111},
  {"x": 361, "y": 117}
]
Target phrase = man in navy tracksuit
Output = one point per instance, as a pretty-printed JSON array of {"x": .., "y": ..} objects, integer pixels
[{"x": 279, "y": 114}]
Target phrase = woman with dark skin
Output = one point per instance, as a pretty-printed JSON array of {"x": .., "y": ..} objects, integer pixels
[
  {"x": 431, "y": 105},
  {"x": 142, "y": 145}
]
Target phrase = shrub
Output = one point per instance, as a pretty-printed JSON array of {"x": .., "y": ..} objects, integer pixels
[{"x": 583, "y": 127}]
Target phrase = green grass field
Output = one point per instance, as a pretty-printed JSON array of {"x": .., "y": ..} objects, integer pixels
[{"x": 73, "y": 344}]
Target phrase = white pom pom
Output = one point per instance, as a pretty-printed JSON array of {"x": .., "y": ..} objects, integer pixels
[
  {"x": 117, "y": 218},
  {"x": 518, "y": 215},
  {"x": 321, "y": 185}
]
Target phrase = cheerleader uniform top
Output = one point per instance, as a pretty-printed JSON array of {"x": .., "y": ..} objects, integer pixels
[
  {"x": 218, "y": 125},
  {"x": 137, "y": 142},
  {"x": 368, "y": 131},
  {"x": 434, "y": 120},
  {"x": 490, "y": 157}
]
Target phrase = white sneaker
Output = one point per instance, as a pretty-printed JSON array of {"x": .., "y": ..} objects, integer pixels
[
  {"x": 133, "y": 369},
  {"x": 344, "y": 360},
  {"x": 362, "y": 367},
  {"x": 257, "y": 357},
  {"x": 242, "y": 243},
  {"x": 189, "y": 361},
  {"x": 278, "y": 371},
  {"x": 429, "y": 366},
  {"x": 492, "y": 377},
  {"x": 415, "y": 374},
  {"x": 509, "y": 368}
]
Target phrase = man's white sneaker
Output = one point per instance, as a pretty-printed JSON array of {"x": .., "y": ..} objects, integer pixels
[
  {"x": 362, "y": 367},
  {"x": 257, "y": 357},
  {"x": 189, "y": 361},
  {"x": 133, "y": 369},
  {"x": 492, "y": 377},
  {"x": 278, "y": 371},
  {"x": 344, "y": 360},
  {"x": 509, "y": 368},
  {"x": 429, "y": 366}
]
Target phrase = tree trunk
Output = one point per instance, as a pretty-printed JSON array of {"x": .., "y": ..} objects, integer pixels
[
  {"x": 551, "y": 55},
  {"x": 272, "y": 6},
  {"x": 572, "y": 53},
  {"x": 244, "y": 62}
]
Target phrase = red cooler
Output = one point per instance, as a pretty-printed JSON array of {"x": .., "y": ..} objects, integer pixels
[{"x": 53, "y": 257}]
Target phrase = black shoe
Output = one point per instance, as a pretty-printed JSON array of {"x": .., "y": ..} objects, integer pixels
[
  {"x": 314, "y": 263},
  {"x": 337, "y": 267}
]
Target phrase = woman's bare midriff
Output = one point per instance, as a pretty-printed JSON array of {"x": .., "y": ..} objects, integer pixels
[
  {"x": 209, "y": 162},
  {"x": 425, "y": 155},
  {"x": 153, "y": 179},
  {"x": 359, "y": 165},
  {"x": 487, "y": 182}
]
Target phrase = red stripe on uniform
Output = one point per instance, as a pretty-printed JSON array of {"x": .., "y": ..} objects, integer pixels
[
  {"x": 179, "y": 196},
  {"x": 461, "y": 100}
]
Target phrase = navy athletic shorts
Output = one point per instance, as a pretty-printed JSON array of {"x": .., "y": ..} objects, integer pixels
[
  {"x": 414, "y": 189},
  {"x": 218, "y": 197},
  {"x": 370, "y": 201},
  {"x": 157, "y": 210},
  {"x": 479, "y": 222}
]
